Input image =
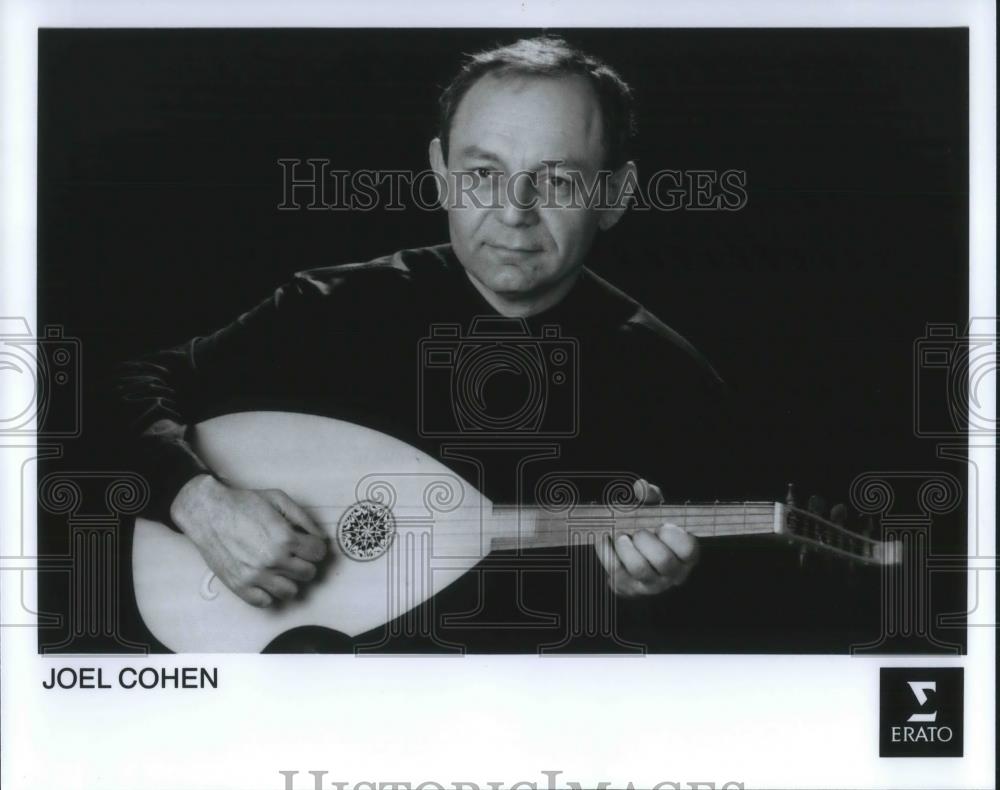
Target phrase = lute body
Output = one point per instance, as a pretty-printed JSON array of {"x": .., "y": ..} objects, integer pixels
[{"x": 402, "y": 527}]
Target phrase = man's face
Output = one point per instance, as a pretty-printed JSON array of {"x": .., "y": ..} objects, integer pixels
[{"x": 505, "y": 131}]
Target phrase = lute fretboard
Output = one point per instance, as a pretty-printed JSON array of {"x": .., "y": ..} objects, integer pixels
[{"x": 527, "y": 527}]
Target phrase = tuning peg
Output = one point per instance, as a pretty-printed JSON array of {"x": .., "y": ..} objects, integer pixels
[
  {"x": 817, "y": 505},
  {"x": 838, "y": 514},
  {"x": 790, "y": 495}
]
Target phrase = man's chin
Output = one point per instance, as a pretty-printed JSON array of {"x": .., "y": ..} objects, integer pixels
[{"x": 507, "y": 280}]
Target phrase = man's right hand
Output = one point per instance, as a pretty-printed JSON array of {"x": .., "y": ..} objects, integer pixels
[{"x": 249, "y": 538}]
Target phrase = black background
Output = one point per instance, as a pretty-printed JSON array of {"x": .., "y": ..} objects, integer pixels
[{"x": 158, "y": 220}]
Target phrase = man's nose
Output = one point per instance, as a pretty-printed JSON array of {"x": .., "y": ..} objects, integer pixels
[{"x": 519, "y": 200}]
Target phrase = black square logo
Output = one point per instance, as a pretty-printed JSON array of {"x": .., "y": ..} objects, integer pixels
[{"x": 920, "y": 712}]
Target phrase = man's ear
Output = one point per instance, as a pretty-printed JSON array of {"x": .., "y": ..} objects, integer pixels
[
  {"x": 436, "y": 156},
  {"x": 619, "y": 194}
]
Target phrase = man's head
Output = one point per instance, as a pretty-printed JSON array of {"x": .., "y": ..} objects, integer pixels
[{"x": 526, "y": 133}]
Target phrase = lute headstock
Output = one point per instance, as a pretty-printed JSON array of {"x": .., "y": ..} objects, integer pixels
[{"x": 812, "y": 530}]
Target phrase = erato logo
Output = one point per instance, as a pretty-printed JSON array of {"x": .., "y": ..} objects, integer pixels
[{"x": 921, "y": 712}]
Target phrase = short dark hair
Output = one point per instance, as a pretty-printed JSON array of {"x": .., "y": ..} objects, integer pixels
[{"x": 549, "y": 56}]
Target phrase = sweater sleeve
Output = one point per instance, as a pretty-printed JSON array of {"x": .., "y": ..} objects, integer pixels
[{"x": 162, "y": 395}]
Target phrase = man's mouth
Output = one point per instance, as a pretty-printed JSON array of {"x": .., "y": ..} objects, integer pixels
[{"x": 521, "y": 249}]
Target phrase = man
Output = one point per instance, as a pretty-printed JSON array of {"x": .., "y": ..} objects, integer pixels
[{"x": 527, "y": 131}]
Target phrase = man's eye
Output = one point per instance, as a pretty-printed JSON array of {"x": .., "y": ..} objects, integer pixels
[
  {"x": 559, "y": 182},
  {"x": 484, "y": 172}
]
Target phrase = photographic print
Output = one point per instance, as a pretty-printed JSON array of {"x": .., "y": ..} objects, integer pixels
[
  {"x": 509, "y": 354},
  {"x": 410, "y": 339}
]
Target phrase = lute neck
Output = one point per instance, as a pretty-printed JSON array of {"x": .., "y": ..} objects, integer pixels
[{"x": 532, "y": 527}]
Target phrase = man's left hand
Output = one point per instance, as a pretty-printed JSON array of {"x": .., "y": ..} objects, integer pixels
[{"x": 648, "y": 562}]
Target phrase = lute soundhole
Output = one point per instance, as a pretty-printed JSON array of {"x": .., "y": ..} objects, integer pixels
[{"x": 366, "y": 530}]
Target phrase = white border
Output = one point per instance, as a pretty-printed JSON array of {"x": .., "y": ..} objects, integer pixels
[{"x": 782, "y": 721}]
